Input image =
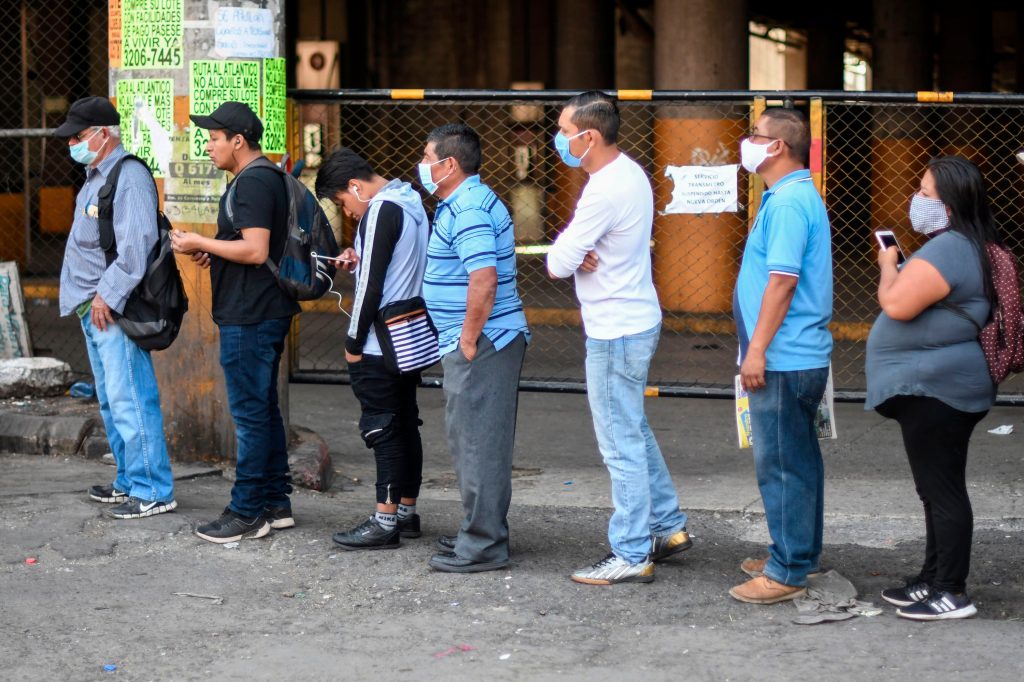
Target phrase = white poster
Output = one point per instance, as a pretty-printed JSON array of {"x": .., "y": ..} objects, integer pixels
[
  {"x": 703, "y": 189},
  {"x": 244, "y": 32}
]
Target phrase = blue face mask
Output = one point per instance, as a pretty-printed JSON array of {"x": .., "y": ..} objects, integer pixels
[
  {"x": 427, "y": 179},
  {"x": 82, "y": 154},
  {"x": 562, "y": 147}
]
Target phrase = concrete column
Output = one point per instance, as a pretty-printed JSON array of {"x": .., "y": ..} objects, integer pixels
[
  {"x": 634, "y": 70},
  {"x": 193, "y": 396},
  {"x": 702, "y": 44},
  {"x": 965, "y": 46},
  {"x": 826, "y": 45},
  {"x": 584, "y": 60},
  {"x": 902, "y": 42},
  {"x": 1020, "y": 50},
  {"x": 902, "y": 45}
]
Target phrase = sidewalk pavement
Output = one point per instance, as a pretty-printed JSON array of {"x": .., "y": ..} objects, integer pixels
[{"x": 104, "y": 592}]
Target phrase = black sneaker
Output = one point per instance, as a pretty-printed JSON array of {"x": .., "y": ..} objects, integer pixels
[
  {"x": 409, "y": 527},
  {"x": 279, "y": 517},
  {"x": 939, "y": 605},
  {"x": 108, "y": 494},
  {"x": 446, "y": 543},
  {"x": 232, "y": 527},
  {"x": 913, "y": 592},
  {"x": 134, "y": 508},
  {"x": 369, "y": 535}
]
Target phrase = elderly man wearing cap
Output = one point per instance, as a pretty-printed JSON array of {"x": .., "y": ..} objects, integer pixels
[
  {"x": 253, "y": 314},
  {"x": 97, "y": 291}
]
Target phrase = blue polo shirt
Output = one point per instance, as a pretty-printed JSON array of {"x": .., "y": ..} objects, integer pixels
[
  {"x": 472, "y": 230},
  {"x": 791, "y": 236}
]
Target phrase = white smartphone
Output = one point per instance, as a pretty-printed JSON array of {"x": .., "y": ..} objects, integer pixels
[{"x": 887, "y": 239}]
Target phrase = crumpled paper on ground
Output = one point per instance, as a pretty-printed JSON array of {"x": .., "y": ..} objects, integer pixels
[{"x": 831, "y": 597}]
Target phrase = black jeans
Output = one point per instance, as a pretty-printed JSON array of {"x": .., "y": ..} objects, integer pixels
[
  {"x": 935, "y": 436},
  {"x": 390, "y": 425}
]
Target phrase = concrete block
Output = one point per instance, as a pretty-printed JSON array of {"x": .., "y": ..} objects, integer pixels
[
  {"x": 95, "y": 445},
  {"x": 33, "y": 434},
  {"x": 309, "y": 459},
  {"x": 35, "y": 377}
]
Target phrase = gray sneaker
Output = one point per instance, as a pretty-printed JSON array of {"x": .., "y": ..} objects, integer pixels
[
  {"x": 664, "y": 547},
  {"x": 612, "y": 570}
]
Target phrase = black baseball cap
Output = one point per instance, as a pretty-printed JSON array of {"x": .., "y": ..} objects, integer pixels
[
  {"x": 87, "y": 113},
  {"x": 234, "y": 116}
]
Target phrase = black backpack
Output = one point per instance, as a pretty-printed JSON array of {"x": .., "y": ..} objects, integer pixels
[
  {"x": 301, "y": 272},
  {"x": 153, "y": 313}
]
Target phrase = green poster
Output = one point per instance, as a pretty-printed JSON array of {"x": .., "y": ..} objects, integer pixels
[
  {"x": 275, "y": 106},
  {"x": 213, "y": 82},
  {"x": 146, "y": 106},
  {"x": 152, "y": 34}
]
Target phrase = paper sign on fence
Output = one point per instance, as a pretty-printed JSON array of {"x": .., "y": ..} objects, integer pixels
[{"x": 703, "y": 189}]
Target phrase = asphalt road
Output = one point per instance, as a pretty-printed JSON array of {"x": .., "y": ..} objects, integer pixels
[{"x": 102, "y": 592}]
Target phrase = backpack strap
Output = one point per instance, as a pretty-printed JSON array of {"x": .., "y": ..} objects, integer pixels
[
  {"x": 105, "y": 206},
  {"x": 959, "y": 312},
  {"x": 261, "y": 162}
]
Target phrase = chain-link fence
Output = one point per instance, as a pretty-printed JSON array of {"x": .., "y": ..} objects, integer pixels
[
  {"x": 875, "y": 156},
  {"x": 54, "y": 53},
  {"x": 869, "y": 156}
]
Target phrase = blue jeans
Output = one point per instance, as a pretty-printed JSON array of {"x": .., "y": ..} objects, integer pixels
[
  {"x": 251, "y": 355},
  {"x": 790, "y": 472},
  {"x": 642, "y": 491},
  {"x": 130, "y": 407}
]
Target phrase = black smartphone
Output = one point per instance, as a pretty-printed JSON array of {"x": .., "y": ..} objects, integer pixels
[{"x": 887, "y": 239}]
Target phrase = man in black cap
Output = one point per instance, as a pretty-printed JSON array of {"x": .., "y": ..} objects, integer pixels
[
  {"x": 253, "y": 314},
  {"x": 97, "y": 291}
]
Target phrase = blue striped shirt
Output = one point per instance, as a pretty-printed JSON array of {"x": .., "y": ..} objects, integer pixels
[
  {"x": 472, "y": 230},
  {"x": 84, "y": 272}
]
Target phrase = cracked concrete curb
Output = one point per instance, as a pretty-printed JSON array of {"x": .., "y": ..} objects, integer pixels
[{"x": 50, "y": 435}]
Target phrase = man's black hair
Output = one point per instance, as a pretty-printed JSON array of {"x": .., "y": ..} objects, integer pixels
[
  {"x": 790, "y": 126},
  {"x": 460, "y": 142},
  {"x": 254, "y": 145},
  {"x": 229, "y": 134},
  {"x": 340, "y": 168},
  {"x": 596, "y": 111}
]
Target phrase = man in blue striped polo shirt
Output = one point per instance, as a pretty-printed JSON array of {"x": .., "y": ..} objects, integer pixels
[{"x": 470, "y": 290}]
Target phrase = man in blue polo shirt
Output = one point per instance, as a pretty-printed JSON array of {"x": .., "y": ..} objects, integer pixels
[
  {"x": 782, "y": 305},
  {"x": 470, "y": 290}
]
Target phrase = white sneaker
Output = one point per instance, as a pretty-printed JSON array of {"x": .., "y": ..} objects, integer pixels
[{"x": 612, "y": 569}]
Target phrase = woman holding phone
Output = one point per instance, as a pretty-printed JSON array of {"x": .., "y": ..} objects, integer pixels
[{"x": 925, "y": 369}]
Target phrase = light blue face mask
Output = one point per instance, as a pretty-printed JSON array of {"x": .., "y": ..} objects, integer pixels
[
  {"x": 426, "y": 179},
  {"x": 562, "y": 147},
  {"x": 81, "y": 153}
]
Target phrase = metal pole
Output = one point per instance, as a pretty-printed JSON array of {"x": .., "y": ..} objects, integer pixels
[{"x": 26, "y": 166}]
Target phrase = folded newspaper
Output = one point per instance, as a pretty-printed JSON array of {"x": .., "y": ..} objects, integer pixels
[{"x": 824, "y": 422}]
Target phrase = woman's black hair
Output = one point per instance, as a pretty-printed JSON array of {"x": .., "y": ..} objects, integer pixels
[{"x": 961, "y": 188}]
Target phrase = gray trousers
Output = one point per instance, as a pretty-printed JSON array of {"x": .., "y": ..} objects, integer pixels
[{"x": 481, "y": 402}]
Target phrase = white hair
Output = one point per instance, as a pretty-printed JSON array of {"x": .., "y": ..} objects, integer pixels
[{"x": 115, "y": 131}]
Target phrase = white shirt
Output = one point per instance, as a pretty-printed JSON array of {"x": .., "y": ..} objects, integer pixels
[{"x": 613, "y": 217}]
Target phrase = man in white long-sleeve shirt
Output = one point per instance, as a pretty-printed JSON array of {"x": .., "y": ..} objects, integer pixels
[{"x": 606, "y": 247}]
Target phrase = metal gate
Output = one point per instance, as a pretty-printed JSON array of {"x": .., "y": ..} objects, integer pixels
[{"x": 868, "y": 152}]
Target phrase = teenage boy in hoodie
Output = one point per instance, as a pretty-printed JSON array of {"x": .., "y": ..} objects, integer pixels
[{"x": 388, "y": 258}]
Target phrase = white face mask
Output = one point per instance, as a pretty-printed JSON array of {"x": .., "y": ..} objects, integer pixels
[
  {"x": 927, "y": 215},
  {"x": 753, "y": 155}
]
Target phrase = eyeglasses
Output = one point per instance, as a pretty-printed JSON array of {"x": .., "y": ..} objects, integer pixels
[
  {"x": 751, "y": 134},
  {"x": 81, "y": 136}
]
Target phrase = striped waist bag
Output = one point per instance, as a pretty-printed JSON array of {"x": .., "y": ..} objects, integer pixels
[{"x": 407, "y": 336}]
